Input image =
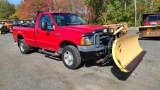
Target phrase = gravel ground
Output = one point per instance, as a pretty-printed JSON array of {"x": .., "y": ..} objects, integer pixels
[{"x": 36, "y": 72}]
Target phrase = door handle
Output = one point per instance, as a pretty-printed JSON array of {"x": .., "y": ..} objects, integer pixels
[
  {"x": 36, "y": 31},
  {"x": 58, "y": 34}
]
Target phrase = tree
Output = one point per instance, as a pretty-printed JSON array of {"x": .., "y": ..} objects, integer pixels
[
  {"x": 15, "y": 15},
  {"x": 118, "y": 14},
  {"x": 29, "y": 8},
  {"x": 95, "y": 10},
  {"x": 6, "y": 9},
  {"x": 118, "y": 11},
  {"x": 156, "y": 5}
]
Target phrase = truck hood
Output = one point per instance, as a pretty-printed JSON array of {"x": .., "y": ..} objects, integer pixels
[{"x": 84, "y": 28}]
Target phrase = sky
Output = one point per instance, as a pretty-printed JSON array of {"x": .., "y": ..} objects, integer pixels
[{"x": 15, "y": 2}]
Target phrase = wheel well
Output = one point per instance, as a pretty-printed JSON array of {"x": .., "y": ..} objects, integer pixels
[
  {"x": 65, "y": 43},
  {"x": 19, "y": 37}
]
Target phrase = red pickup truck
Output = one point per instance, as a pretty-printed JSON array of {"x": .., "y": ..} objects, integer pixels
[
  {"x": 150, "y": 19},
  {"x": 71, "y": 37}
]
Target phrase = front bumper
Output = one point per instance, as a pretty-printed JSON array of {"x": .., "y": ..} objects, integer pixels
[{"x": 89, "y": 53}]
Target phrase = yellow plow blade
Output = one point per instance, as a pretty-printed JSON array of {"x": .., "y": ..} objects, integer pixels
[{"x": 127, "y": 53}]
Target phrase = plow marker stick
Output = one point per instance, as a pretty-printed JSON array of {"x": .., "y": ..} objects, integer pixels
[{"x": 118, "y": 30}]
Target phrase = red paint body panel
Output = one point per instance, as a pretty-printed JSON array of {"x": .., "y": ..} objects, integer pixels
[
  {"x": 50, "y": 40},
  {"x": 27, "y": 33}
]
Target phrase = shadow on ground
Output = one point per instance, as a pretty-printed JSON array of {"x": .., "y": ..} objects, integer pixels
[
  {"x": 114, "y": 70},
  {"x": 119, "y": 74}
]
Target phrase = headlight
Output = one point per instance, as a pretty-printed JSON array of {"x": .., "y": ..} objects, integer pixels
[
  {"x": 86, "y": 41},
  {"x": 111, "y": 31},
  {"x": 105, "y": 31}
]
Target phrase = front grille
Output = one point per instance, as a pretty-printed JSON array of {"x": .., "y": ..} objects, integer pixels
[{"x": 100, "y": 39}]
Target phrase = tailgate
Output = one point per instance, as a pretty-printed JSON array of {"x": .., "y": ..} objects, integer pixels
[{"x": 127, "y": 53}]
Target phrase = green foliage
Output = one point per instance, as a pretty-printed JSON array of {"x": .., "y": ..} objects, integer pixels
[
  {"x": 156, "y": 5},
  {"x": 97, "y": 9},
  {"x": 116, "y": 12},
  {"x": 15, "y": 15},
  {"x": 6, "y": 9},
  {"x": 113, "y": 10}
]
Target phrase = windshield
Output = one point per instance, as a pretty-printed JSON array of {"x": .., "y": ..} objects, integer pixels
[
  {"x": 63, "y": 19},
  {"x": 153, "y": 18}
]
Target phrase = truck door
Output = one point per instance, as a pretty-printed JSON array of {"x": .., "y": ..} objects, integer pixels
[{"x": 45, "y": 38}]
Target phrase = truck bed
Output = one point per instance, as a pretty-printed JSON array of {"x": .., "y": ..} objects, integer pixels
[{"x": 27, "y": 32}]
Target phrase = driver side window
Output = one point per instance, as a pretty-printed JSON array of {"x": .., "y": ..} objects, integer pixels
[{"x": 46, "y": 18}]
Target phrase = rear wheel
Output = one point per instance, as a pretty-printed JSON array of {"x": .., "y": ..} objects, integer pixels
[
  {"x": 24, "y": 48},
  {"x": 71, "y": 57}
]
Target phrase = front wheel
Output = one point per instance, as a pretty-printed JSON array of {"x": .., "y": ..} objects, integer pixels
[
  {"x": 71, "y": 57},
  {"x": 24, "y": 48}
]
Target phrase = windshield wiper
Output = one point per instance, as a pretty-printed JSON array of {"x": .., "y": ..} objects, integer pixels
[{"x": 75, "y": 23}]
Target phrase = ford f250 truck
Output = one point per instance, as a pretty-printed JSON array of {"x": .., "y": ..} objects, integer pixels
[{"x": 75, "y": 41}]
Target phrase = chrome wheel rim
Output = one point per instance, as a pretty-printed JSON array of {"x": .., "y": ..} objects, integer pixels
[
  {"x": 68, "y": 58},
  {"x": 22, "y": 47}
]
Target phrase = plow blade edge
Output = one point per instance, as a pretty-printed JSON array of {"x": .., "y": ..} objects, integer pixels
[{"x": 127, "y": 53}]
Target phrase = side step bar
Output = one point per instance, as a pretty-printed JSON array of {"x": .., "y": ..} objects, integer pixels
[{"x": 48, "y": 53}]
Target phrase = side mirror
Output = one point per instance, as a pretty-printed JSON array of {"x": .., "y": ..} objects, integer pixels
[
  {"x": 51, "y": 27},
  {"x": 44, "y": 25}
]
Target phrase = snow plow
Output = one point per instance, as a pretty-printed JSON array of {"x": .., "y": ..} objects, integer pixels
[
  {"x": 127, "y": 53},
  {"x": 149, "y": 31}
]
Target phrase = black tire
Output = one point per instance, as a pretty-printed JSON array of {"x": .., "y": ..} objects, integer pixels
[
  {"x": 4, "y": 29},
  {"x": 24, "y": 48},
  {"x": 76, "y": 58}
]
